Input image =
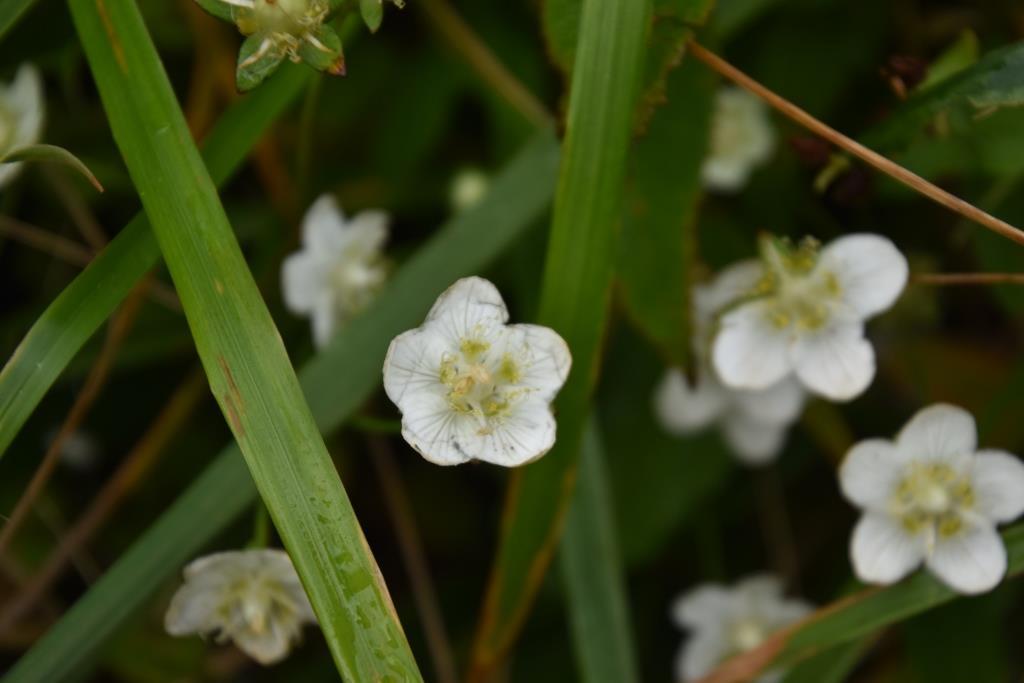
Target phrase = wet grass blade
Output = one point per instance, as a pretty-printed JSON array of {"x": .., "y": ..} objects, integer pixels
[
  {"x": 74, "y": 316},
  {"x": 465, "y": 246},
  {"x": 595, "y": 584},
  {"x": 242, "y": 353},
  {"x": 588, "y": 204}
]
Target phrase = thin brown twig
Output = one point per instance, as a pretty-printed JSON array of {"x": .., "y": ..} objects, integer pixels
[
  {"x": 133, "y": 468},
  {"x": 461, "y": 37},
  {"x": 967, "y": 278},
  {"x": 411, "y": 547},
  {"x": 116, "y": 332},
  {"x": 869, "y": 156}
]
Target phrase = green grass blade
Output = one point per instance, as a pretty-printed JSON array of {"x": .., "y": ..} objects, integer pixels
[
  {"x": 516, "y": 199},
  {"x": 594, "y": 578},
  {"x": 241, "y": 351},
  {"x": 81, "y": 308},
  {"x": 10, "y": 12},
  {"x": 833, "y": 665},
  {"x": 577, "y": 278}
]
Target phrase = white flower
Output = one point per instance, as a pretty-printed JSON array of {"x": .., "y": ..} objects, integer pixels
[
  {"x": 22, "y": 109},
  {"x": 931, "y": 497},
  {"x": 725, "y": 622},
  {"x": 471, "y": 387},
  {"x": 252, "y": 597},
  {"x": 806, "y": 316},
  {"x": 754, "y": 422},
  {"x": 742, "y": 138},
  {"x": 339, "y": 269},
  {"x": 468, "y": 187}
]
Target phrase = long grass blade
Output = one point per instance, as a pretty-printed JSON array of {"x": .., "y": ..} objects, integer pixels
[
  {"x": 242, "y": 353},
  {"x": 577, "y": 277},
  {"x": 517, "y": 198},
  {"x": 74, "y": 316},
  {"x": 10, "y": 12}
]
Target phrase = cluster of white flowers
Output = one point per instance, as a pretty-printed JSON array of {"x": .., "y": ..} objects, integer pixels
[
  {"x": 340, "y": 268},
  {"x": 725, "y": 622},
  {"x": 251, "y": 597},
  {"x": 22, "y": 111}
]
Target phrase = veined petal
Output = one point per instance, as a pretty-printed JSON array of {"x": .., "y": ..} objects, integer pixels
[
  {"x": 413, "y": 365},
  {"x": 436, "y": 431},
  {"x": 870, "y": 270},
  {"x": 304, "y": 281},
  {"x": 971, "y": 561},
  {"x": 939, "y": 432},
  {"x": 681, "y": 409},
  {"x": 870, "y": 472},
  {"x": 268, "y": 646},
  {"x": 323, "y": 227},
  {"x": 324, "y": 318},
  {"x": 779, "y": 404},
  {"x": 540, "y": 356},
  {"x": 754, "y": 442},
  {"x": 835, "y": 362},
  {"x": 25, "y": 99},
  {"x": 368, "y": 231},
  {"x": 997, "y": 478},
  {"x": 729, "y": 285},
  {"x": 882, "y": 551},
  {"x": 702, "y": 606},
  {"x": 471, "y": 307},
  {"x": 749, "y": 352},
  {"x": 525, "y": 434}
]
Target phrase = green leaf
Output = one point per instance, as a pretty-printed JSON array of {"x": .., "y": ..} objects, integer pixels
[
  {"x": 595, "y": 583},
  {"x": 254, "y": 67},
  {"x": 218, "y": 8},
  {"x": 80, "y": 309},
  {"x": 53, "y": 155},
  {"x": 464, "y": 246},
  {"x": 10, "y": 12},
  {"x": 331, "y": 60},
  {"x": 574, "y": 297},
  {"x": 957, "y": 57},
  {"x": 833, "y": 665},
  {"x": 373, "y": 13},
  {"x": 242, "y": 353},
  {"x": 997, "y": 80},
  {"x": 660, "y": 218}
]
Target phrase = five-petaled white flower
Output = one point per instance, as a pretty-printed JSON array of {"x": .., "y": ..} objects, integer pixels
[
  {"x": 742, "y": 138},
  {"x": 930, "y": 497},
  {"x": 805, "y": 314},
  {"x": 471, "y": 387},
  {"x": 252, "y": 597},
  {"x": 754, "y": 422},
  {"x": 22, "y": 109},
  {"x": 725, "y": 622},
  {"x": 339, "y": 269}
]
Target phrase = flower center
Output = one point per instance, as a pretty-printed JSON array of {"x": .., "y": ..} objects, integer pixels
[
  {"x": 477, "y": 385},
  {"x": 281, "y": 17},
  {"x": 801, "y": 295},
  {"x": 355, "y": 280},
  {"x": 933, "y": 496},
  {"x": 746, "y": 635}
]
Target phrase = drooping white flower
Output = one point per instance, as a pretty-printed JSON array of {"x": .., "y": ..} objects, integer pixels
[
  {"x": 470, "y": 386},
  {"x": 252, "y": 597},
  {"x": 339, "y": 269},
  {"x": 724, "y": 622},
  {"x": 22, "y": 110},
  {"x": 742, "y": 138},
  {"x": 806, "y": 316},
  {"x": 754, "y": 422},
  {"x": 930, "y": 496},
  {"x": 468, "y": 187}
]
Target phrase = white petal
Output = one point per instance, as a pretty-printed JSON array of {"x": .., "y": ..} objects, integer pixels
[
  {"x": 870, "y": 472},
  {"x": 835, "y": 362},
  {"x": 703, "y": 606},
  {"x": 470, "y": 307},
  {"x": 683, "y": 410},
  {"x": 368, "y": 231},
  {"x": 542, "y": 357},
  {"x": 700, "y": 654},
  {"x": 729, "y": 285},
  {"x": 267, "y": 647},
  {"x": 524, "y": 435},
  {"x": 9, "y": 172},
  {"x": 760, "y": 589},
  {"x": 749, "y": 352},
  {"x": 754, "y": 442},
  {"x": 325, "y": 321},
  {"x": 939, "y": 432},
  {"x": 882, "y": 551},
  {"x": 998, "y": 481},
  {"x": 779, "y": 404},
  {"x": 25, "y": 100},
  {"x": 193, "y": 609},
  {"x": 413, "y": 365},
  {"x": 436, "y": 431},
  {"x": 870, "y": 269},
  {"x": 724, "y": 174},
  {"x": 304, "y": 280},
  {"x": 323, "y": 227},
  {"x": 972, "y": 561}
]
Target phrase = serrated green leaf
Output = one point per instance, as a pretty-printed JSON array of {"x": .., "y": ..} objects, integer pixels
[
  {"x": 51, "y": 154},
  {"x": 373, "y": 13},
  {"x": 517, "y": 197}
]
